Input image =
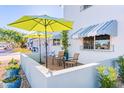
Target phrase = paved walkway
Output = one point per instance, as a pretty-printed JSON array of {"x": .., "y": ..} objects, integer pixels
[{"x": 6, "y": 53}]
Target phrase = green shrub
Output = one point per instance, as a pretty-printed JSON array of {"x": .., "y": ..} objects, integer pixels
[
  {"x": 13, "y": 61},
  {"x": 120, "y": 62},
  {"x": 65, "y": 41},
  {"x": 0, "y": 62},
  {"x": 13, "y": 67},
  {"x": 11, "y": 79},
  {"x": 107, "y": 77}
]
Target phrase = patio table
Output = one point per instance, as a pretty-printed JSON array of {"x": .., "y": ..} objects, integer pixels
[{"x": 60, "y": 60}]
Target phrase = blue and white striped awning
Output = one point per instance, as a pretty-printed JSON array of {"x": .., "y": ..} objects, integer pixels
[{"x": 109, "y": 28}]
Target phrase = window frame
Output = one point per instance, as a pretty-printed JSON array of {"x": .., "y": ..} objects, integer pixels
[
  {"x": 53, "y": 43},
  {"x": 87, "y": 6},
  {"x": 93, "y": 43},
  {"x": 111, "y": 49},
  {"x": 84, "y": 7}
]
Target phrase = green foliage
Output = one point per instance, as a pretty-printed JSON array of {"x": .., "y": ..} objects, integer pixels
[
  {"x": 13, "y": 67},
  {"x": 12, "y": 36},
  {"x": 0, "y": 62},
  {"x": 120, "y": 62},
  {"x": 107, "y": 77},
  {"x": 13, "y": 61},
  {"x": 11, "y": 79},
  {"x": 65, "y": 40}
]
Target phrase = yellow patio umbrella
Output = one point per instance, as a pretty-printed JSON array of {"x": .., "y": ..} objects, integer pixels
[
  {"x": 44, "y": 24},
  {"x": 38, "y": 35}
]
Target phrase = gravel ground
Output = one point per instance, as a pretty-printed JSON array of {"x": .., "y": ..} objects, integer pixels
[{"x": 25, "y": 83}]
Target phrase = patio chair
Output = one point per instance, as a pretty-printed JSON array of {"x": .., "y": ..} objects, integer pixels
[
  {"x": 51, "y": 54},
  {"x": 60, "y": 57},
  {"x": 73, "y": 60}
]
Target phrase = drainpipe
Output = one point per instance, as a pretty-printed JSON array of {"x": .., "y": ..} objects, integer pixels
[{"x": 94, "y": 42}]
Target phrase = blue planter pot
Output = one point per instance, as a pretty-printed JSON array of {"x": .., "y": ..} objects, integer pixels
[
  {"x": 66, "y": 55},
  {"x": 12, "y": 72},
  {"x": 14, "y": 84}
]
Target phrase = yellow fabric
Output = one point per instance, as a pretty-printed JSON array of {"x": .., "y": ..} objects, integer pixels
[
  {"x": 32, "y": 23},
  {"x": 37, "y": 36}
]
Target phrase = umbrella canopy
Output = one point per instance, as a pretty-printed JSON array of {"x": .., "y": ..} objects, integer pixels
[
  {"x": 37, "y": 35},
  {"x": 39, "y": 23},
  {"x": 42, "y": 23}
]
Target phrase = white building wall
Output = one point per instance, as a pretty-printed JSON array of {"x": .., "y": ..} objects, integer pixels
[
  {"x": 95, "y": 15},
  {"x": 52, "y": 47},
  {"x": 36, "y": 55}
]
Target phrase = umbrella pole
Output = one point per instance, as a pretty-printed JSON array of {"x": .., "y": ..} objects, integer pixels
[
  {"x": 40, "y": 48},
  {"x": 46, "y": 46}
]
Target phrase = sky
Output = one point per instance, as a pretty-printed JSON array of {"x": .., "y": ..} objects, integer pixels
[{"x": 11, "y": 13}]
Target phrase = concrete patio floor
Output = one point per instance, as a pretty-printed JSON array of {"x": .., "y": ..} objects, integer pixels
[{"x": 53, "y": 65}]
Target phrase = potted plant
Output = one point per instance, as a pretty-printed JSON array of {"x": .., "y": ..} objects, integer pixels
[
  {"x": 120, "y": 62},
  {"x": 12, "y": 70},
  {"x": 13, "y": 61},
  {"x": 107, "y": 77},
  {"x": 65, "y": 43},
  {"x": 12, "y": 82}
]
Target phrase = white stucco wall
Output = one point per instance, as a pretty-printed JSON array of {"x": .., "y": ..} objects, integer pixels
[
  {"x": 75, "y": 78},
  {"x": 40, "y": 77},
  {"x": 36, "y": 55},
  {"x": 95, "y": 15},
  {"x": 31, "y": 69},
  {"x": 50, "y": 47},
  {"x": 83, "y": 76}
]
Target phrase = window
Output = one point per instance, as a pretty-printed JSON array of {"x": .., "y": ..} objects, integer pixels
[
  {"x": 102, "y": 42},
  {"x": 87, "y": 6},
  {"x": 97, "y": 42},
  {"x": 56, "y": 42},
  {"x": 83, "y": 7},
  {"x": 88, "y": 42}
]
